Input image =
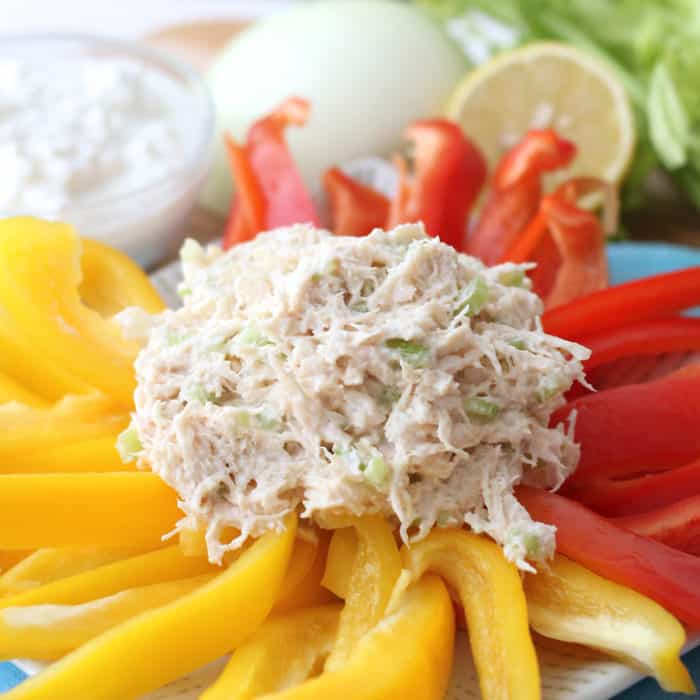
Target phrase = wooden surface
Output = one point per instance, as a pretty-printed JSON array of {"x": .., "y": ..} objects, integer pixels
[{"x": 199, "y": 42}]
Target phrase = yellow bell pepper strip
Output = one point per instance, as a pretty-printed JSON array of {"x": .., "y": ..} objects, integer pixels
[
  {"x": 74, "y": 418},
  {"x": 24, "y": 429},
  {"x": 375, "y": 569},
  {"x": 11, "y": 390},
  {"x": 129, "y": 509},
  {"x": 492, "y": 596},
  {"x": 8, "y": 560},
  {"x": 93, "y": 455},
  {"x": 303, "y": 556},
  {"x": 51, "y": 631},
  {"x": 305, "y": 591},
  {"x": 341, "y": 555},
  {"x": 283, "y": 653},
  {"x": 408, "y": 655},
  {"x": 567, "y": 602},
  {"x": 111, "y": 281},
  {"x": 28, "y": 366},
  {"x": 166, "y": 564},
  {"x": 159, "y": 646},
  {"x": 40, "y": 274},
  {"x": 46, "y": 565}
]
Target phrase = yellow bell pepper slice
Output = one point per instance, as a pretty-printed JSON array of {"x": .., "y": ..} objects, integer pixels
[
  {"x": 51, "y": 631},
  {"x": 375, "y": 569},
  {"x": 300, "y": 564},
  {"x": 28, "y": 365},
  {"x": 159, "y": 646},
  {"x": 572, "y": 604},
  {"x": 10, "y": 390},
  {"x": 161, "y": 565},
  {"x": 305, "y": 591},
  {"x": 341, "y": 554},
  {"x": 283, "y": 653},
  {"x": 409, "y": 655},
  {"x": 46, "y": 565},
  {"x": 129, "y": 509},
  {"x": 26, "y": 429},
  {"x": 39, "y": 279},
  {"x": 93, "y": 455},
  {"x": 491, "y": 593},
  {"x": 111, "y": 281},
  {"x": 8, "y": 561}
]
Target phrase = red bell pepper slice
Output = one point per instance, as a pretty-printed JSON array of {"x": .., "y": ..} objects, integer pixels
[
  {"x": 448, "y": 174},
  {"x": 653, "y": 297},
  {"x": 676, "y": 525},
  {"x": 286, "y": 197},
  {"x": 643, "y": 338},
  {"x": 580, "y": 242},
  {"x": 666, "y": 575},
  {"x": 270, "y": 191},
  {"x": 637, "y": 428},
  {"x": 355, "y": 209},
  {"x": 631, "y": 496},
  {"x": 567, "y": 243},
  {"x": 247, "y": 215},
  {"x": 515, "y": 193}
]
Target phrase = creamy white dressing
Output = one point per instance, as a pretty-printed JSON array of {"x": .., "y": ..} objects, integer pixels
[
  {"x": 343, "y": 376},
  {"x": 78, "y": 129}
]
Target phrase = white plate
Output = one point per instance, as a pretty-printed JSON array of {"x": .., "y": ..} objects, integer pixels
[{"x": 568, "y": 672}]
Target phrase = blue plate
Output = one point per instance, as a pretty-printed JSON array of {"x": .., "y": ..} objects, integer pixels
[{"x": 628, "y": 261}]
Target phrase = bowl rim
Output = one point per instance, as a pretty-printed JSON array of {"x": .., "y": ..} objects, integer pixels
[{"x": 194, "y": 90}]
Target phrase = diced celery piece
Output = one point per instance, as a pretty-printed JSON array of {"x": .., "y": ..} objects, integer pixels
[
  {"x": 129, "y": 445},
  {"x": 268, "y": 422},
  {"x": 476, "y": 295},
  {"x": 389, "y": 396},
  {"x": 483, "y": 409},
  {"x": 415, "y": 354},
  {"x": 198, "y": 393},
  {"x": 533, "y": 547},
  {"x": 183, "y": 291},
  {"x": 242, "y": 419},
  {"x": 518, "y": 344},
  {"x": 375, "y": 472},
  {"x": 549, "y": 387},
  {"x": 250, "y": 335},
  {"x": 512, "y": 278},
  {"x": 191, "y": 250}
]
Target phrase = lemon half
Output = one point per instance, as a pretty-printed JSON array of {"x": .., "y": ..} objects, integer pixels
[{"x": 548, "y": 85}]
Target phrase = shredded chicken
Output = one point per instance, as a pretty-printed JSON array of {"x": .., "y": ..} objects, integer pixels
[{"x": 344, "y": 376}]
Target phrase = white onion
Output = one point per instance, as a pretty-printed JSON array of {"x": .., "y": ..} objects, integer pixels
[{"x": 369, "y": 68}]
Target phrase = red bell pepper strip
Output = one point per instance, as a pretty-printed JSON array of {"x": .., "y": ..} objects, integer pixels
[
  {"x": 642, "y": 338},
  {"x": 247, "y": 215},
  {"x": 637, "y": 428},
  {"x": 666, "y": 575},
  {"x": 286, "y": 197},
  {"x": 448, "y": 174},
  {"x": 271, "y": 192},
  {"x": 567, "y": 243},
  {"x": 649, "y": 298},
  {"x": 515, "y": 193},
  {"x": 355, "y": 208},
  {"x": 580, "y": 242},
  {"x": 631, "y": 496},
  {"x": 676, "y": 525}
]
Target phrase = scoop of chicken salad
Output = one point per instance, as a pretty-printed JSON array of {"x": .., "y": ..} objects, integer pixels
[{"x": 344, "y": 376}]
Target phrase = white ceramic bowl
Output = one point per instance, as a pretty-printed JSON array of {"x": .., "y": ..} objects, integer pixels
[{"x": 147, "y": 222}]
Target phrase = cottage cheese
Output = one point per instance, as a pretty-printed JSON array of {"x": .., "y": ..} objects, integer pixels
[{"x": 75, "y": 130}]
